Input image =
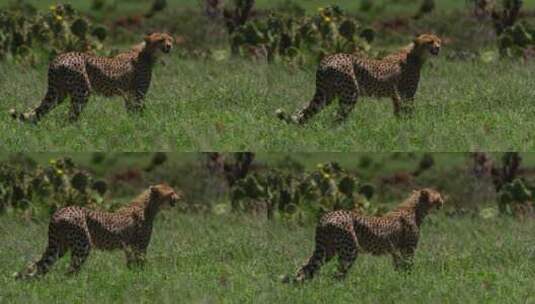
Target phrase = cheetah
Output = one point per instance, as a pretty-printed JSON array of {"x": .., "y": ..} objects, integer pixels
[
  {"x": 78, "y": 75},
  {"x": 349, "y": 76},
  {"x": 346, "y": 234},
  {"x": 81, "y": 229}
]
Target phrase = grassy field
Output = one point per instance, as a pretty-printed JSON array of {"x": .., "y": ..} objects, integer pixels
[
  {"x": 195, "y": 259},
  {"x": 229, "y": 105}
]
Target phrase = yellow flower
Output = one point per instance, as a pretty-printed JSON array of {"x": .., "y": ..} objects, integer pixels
[
  {"x": 59, "y": 18},
  {"x": 327, "y": 19},
  {"x": 60, "y": 172}
]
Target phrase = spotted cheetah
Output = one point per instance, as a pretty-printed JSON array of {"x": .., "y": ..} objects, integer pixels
[
  {"x": 346, "y": 233},
  {"x": 349, "y": 76},
  {"x": 80, "y": 229},
  {"x": 79, "y": 74}
]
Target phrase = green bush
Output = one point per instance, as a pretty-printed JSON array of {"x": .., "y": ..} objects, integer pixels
[
  {"x": 514, "y": 193},
  {"x": 298, "y": 196},
  {"x": 26, "y": 186},
  {"x": 299, "y": 38},
  {"x": 515, "y": 40},
  {"x": 24, "y": 33}
]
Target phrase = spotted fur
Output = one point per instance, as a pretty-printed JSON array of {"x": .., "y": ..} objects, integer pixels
[
  {"x": 79, "y": 74},
  {"x": 346, "y": 234},
  {"x": 349, "y": 76},
  {"x": 80, "y": 229}
]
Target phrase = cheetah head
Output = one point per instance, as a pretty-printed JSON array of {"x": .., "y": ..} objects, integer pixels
[
  {"x": 166, "y": 194},
  {"x": 159, "y": 41},
  {"x": 431, "y": 198},
  {"x": 428, "y": 42}
]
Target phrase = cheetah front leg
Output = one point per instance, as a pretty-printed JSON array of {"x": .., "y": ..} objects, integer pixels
[
  {"x": 403, "y": 106},
  {"x": 135, "y": 104},
  {"x": 396, "y": 101},
  {"x": 403, "y": 260},
  {"x": 407, "y": 106},
  {"x": 135, "y": 256}
]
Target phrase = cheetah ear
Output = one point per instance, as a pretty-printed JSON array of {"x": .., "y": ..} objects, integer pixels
[
  {"x": 424, "y": 195},
  {"x": 148, "y": 37},
  {"x": 417, "y": 38}
]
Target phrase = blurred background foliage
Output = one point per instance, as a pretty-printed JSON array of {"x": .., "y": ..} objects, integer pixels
[
  {"x": 292, "y": 31},
  {"x": 296, "y": 187}
]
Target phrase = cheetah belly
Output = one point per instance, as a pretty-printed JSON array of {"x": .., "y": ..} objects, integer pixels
[
  {"x": 377, "y": 89},
  {"x": 109, "y": 81},
  {"x": 376, "y": 84},
  {"x": 105, "y": 237},
  {"x": 375, "y": 242}
]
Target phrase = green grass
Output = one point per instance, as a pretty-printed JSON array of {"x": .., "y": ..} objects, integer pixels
[
  {"x": 196, "y": 259},
  {"x": 229, "y": 105}
]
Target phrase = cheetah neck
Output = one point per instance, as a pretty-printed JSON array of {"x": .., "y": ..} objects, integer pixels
[
  {"x": 413, "y": 208},
  {"x": 144, "y": 207},
  {"x": 420, "y": 213},
  {"x": 144, "y": 54},
  {"x": 415, "y": 56},
  {"x": 147, "y": 57}
]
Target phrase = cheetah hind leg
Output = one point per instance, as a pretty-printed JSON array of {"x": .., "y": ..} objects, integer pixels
[
  {"x": 307, "y": 271},
  {"x": 80, "y": 245},
  {"x": 322, "y": 254},
  {"x": 53, "y": 253},
  {"x": 347, "y": 254},
  {"x": 347, "y": 99},
  {"x": 319, "y": 102},
  {"x": 49, "y": 102}
]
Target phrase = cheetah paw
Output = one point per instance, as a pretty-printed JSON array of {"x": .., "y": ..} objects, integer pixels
[
  {"x": 13, "y": 113},
  {"x": 285, "y": 279},
  {"x": 281, "y": 114}
]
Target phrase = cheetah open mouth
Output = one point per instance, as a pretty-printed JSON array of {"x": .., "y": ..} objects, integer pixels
[
  {"x": 435, "y": 51},
  {"x": 174, "y": 199},
  {"x": 166, "y": 49}
]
